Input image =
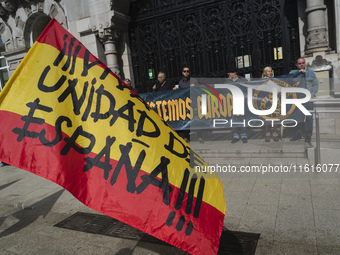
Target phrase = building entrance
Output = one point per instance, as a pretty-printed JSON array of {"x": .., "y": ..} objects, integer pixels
[{"x": 211, "y": 36}]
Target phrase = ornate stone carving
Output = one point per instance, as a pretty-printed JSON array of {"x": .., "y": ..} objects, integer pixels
[
  {"x": 4, "y": 30},
  {"x": 320, "y": 64},
  {"x": 109, "y": 37},
  {"x": 12, "y": 36},
  {"x": 317, "y": 35},
  {"x": 18, "y": 15},
  {"x": 317, "y": 38},
  {"x": 19, "y": 22},
  {"x": 3, "y": 12},
  {"x": 9, "y": 6},
  {"x": 108, "y": 33}
]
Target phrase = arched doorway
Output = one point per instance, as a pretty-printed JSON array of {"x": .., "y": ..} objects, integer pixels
[{"x": 35, "y": 24}]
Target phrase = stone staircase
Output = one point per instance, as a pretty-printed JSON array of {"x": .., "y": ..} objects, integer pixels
[{"x": 219, "y": 150}]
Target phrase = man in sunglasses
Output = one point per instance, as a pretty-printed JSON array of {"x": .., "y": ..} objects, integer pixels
[{"x": 186, "y": 81}]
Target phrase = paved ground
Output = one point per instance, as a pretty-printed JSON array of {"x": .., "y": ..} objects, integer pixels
[
  {"x": 31, "y": 205},
  {"x": 295, "y": 214}
]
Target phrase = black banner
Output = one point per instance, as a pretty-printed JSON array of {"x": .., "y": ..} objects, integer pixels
[{"x": 211, "y": 105}]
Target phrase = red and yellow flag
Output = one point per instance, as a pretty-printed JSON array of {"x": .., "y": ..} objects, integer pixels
[{"x": 66, "y": 117}]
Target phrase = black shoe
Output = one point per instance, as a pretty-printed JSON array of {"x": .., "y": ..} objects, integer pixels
[
  {"x": 244, "y": 139},
  {"x": 307, "y": 139},
  {"x": 235, "y": 140},
  {"x": 295, "y": 137}
]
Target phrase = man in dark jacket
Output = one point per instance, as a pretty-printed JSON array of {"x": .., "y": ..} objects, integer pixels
[{"x": 162, "y": 83}]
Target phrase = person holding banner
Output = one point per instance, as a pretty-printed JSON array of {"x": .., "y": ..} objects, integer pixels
[
  {"x": 267, "y": 74},
  {"x": 162, "y": 83},
  {"x": 311, "y": 83},
  {"x": 185, "y": 82},
  {"x": 234, "y": 78}
]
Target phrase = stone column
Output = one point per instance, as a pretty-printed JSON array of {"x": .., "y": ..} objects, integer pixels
[
  {"x": 109, "y": 37},
  {"x": 317, "y": 37}
]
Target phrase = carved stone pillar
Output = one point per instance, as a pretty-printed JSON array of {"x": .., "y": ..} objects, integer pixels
[
  {"x": 109, "y": 37},
  {"x": 317, "y": 36}
]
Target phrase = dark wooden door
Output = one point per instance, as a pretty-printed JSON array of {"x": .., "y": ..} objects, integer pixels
[{"x": 211, "y": 36}]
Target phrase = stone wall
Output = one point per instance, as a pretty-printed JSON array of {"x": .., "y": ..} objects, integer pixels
[{"x": 17, "y": 19}]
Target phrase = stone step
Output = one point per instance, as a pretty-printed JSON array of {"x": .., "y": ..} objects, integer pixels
[
  {"x": 259, "y": 154},
  {"x": 254, "y": 149},
  {"x": 256, "y": 161}
]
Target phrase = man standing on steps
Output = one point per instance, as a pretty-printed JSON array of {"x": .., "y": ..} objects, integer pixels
[
  {"x": 234, "y": 78},
  {"x": 186, "y": 82},
  {"x": 311, "y": 83}
]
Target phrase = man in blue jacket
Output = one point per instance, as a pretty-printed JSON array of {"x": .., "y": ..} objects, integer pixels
[{"x": 311, "y": 83}]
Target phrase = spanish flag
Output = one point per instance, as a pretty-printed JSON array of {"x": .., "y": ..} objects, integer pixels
[{"x": 66, "y": 117}]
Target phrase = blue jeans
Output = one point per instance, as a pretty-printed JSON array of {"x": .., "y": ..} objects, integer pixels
[
  {"x": 308, "y": 122},
  {"x": 237, "y": 127}
]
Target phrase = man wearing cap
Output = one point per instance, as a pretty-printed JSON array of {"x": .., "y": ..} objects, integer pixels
[{"x": 235, "y": 78}]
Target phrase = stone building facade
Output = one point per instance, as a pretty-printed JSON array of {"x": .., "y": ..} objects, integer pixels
[
  {"x": 103, "y": 27},
  {"x": 100, "y": 25}
]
